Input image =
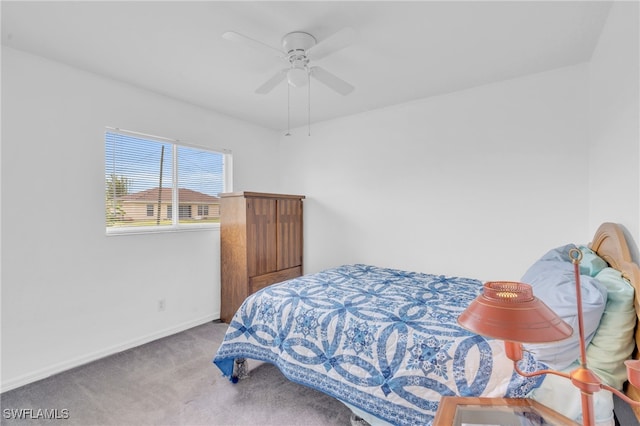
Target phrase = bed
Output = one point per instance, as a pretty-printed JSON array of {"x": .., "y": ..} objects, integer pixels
[{"x": 387, "y": 343}]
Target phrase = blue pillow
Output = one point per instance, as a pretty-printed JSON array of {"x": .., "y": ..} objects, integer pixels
[{"x": 553, "y": 281}]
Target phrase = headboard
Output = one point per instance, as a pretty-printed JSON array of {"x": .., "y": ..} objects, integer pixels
[{"x": 610, "y": 244}]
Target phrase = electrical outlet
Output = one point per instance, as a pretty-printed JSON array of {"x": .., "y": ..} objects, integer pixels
[{"x": 162, "y": 305}]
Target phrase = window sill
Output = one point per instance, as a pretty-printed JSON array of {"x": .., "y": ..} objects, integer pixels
[{"x": 146, "y": 230}]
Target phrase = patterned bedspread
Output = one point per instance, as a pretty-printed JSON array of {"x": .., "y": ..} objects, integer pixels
[{"x": 383, "y": 340}]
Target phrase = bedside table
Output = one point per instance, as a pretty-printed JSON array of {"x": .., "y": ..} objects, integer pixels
[{"x": 469, "y": 411}]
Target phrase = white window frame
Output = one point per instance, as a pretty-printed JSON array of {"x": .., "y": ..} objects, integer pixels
[{"x": 176, "y": 226}]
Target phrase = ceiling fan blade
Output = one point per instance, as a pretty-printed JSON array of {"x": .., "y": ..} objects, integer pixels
[
  {"x": 270, "y": 84},
  {"x": 332, "y": 44},
  {"x": 331, "y": 81},
  {"x": 240, "y": 38}
]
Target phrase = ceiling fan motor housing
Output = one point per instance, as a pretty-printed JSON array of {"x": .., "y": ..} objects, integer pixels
[{"x": 297, "y": 43}]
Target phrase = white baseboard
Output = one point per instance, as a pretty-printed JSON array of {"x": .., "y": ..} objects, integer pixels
[{"x": 85, "y": 359}]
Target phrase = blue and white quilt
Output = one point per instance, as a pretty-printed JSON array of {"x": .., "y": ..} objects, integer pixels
[{"x": 383, "y": 340}]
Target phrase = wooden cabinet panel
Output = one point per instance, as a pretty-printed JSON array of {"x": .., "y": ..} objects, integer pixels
[
  {"x": 233, "y": 260},
  {"x": 262, "y": 236},
  {"x": 261, "y": 244},
  {"x": 289, "y": 249},
  {"x": 257, "y": 283}
]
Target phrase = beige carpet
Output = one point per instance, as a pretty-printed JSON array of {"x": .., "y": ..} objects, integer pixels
[{"x": 171, "y": 381}]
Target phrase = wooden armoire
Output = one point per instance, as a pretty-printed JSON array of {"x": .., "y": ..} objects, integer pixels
[{"x": 260, "y": 244}]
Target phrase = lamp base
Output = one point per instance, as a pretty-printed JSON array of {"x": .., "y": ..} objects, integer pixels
[{"x": 513, "y": 350}]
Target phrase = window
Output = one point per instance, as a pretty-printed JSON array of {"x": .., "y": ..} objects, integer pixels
[
  {"x": 184, "y": 212},
  {"x": 203, "y": 210},
  {"x": 148, "y": 178}
]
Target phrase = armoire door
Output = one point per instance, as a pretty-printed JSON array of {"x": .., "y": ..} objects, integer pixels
[
  {"x": 261, "y": 236},
  {"x": 289, "y": 233}
]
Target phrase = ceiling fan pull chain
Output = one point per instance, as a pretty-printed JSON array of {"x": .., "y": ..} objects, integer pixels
[
  {"x": 309, "y": 105},
  {"x": 288, "y": 110}
]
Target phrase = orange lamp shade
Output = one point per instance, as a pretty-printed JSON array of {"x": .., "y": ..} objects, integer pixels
[{"x": 508, "y": 311}]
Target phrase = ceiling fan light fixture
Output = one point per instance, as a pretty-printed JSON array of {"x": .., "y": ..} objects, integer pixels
[{"x": 298, "y": 77}]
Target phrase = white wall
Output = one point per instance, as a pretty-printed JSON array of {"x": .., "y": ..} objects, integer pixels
[
  {"x": 69, "y": 293},
  {"x": 614, "y": 168},
  {"x": 476, "y": 183}
]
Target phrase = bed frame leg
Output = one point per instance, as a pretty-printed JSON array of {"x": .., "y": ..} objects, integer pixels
[{"x": 240, "y": 370}]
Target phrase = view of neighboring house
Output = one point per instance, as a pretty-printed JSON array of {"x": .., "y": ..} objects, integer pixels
[{"x": 144, "y": 205}]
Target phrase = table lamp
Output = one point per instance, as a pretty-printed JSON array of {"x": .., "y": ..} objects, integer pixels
[{"x": 509, "y": 311}]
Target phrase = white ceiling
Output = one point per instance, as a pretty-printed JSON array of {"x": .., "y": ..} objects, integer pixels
[{"x": 403, "y": 50}]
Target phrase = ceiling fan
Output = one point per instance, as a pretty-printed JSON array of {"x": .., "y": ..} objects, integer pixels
[{"x": 298, "y": 50}]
